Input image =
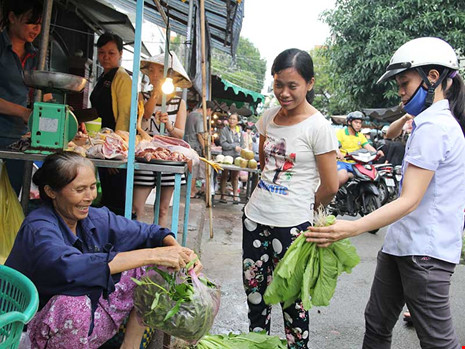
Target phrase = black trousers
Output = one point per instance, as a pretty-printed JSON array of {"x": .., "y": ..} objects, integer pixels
[{"x": 113, "y": 189}]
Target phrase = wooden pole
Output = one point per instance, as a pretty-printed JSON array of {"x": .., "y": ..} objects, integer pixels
[{"x": 204, "y": 108}]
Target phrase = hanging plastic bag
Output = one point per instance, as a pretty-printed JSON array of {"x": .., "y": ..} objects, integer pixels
[
  {"x": 11, "y": 215},
  {"x": 180, "y": 304}
]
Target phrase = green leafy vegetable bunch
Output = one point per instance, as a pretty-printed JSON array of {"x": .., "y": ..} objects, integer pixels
[
  {"x": 310, "y": 273},
  {"x": 252, "y": 340}
]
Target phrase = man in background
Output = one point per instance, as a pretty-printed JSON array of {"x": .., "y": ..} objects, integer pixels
[
  {"x": 351, "y": 139},
  {"x": 194, "y": 135}
]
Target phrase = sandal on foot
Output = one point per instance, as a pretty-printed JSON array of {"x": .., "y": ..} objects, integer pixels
[{"x": 223, "y": 201}]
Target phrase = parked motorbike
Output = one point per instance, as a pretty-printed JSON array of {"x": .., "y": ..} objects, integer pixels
[
  {"x": 360, "y": 195},
  {"x": 388, "y": 184}
]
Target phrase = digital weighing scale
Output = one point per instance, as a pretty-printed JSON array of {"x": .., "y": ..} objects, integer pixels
[{"x": 52, "y": 125}]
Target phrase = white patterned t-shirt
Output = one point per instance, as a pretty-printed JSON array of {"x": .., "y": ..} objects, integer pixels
[{"x": 286, "y": 190}]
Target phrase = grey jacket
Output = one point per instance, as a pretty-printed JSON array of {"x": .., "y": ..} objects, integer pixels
[{"x": 229, "y": 140}]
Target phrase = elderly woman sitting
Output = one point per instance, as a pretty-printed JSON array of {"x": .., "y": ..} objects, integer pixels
[{"x": 82, "y": 259}]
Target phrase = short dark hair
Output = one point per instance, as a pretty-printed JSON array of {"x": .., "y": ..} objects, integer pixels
[
  {"x": 21, "y": 7},
  {"x": 210, "y": 105},
  {"x": 301, "y": 61},
  {"x": 107, "y": 37},
  {"x": 58, "y": 170}
]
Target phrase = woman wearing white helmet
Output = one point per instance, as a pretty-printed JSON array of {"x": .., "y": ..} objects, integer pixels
[{"x": 423, "y": 241}]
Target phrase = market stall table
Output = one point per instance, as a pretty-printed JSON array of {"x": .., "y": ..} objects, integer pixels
[
  {"x": 177, "y": 170},
  {"x": 252, "y": 178}
]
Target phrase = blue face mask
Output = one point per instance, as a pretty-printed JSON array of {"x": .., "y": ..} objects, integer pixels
[{"x": 416, "y": 104}]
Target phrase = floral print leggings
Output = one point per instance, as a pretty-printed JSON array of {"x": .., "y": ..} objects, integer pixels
[
  {"x": 64, "y": 322},
  {"x": 262, "y": 248}
]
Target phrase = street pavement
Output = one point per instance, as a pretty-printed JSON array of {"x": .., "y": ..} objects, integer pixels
[{"x": 341, "y": 324}]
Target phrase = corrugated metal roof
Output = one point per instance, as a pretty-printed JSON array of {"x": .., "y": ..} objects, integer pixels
[
  {"x": 101, "y": 17},
  {"x": 224, "y": 18}
]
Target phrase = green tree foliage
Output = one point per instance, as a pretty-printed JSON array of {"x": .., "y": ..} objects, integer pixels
[
  {"x": 323, "y": 88},
  {"x": 365, "y": 34},
  {"x": 246, "y": 70}
]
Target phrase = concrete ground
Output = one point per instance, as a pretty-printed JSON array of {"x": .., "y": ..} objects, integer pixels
[{"x": 341, "y": 324}]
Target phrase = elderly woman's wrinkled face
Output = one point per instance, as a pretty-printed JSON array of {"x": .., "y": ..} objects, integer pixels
[
  {"x": 73, "y": 201},
  {"x": 109, "y": 56}
]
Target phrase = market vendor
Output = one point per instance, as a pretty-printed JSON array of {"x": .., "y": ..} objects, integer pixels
[
  {"x": 81, "y": 259},
  {"x": 112, "y": 99},
  {"x": 20, "y": 24},
  {"x": 232, "y": 142},
  {"x": 174, "y": 122}
]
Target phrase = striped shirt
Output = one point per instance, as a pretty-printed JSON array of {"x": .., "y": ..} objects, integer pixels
[{"x": 152, "y": 127}]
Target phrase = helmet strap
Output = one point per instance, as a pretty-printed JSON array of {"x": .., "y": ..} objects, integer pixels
[
  {"x": 350, "y": 125},
  {"x": 431, "y": 87}
]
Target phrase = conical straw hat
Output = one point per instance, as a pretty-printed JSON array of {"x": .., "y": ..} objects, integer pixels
[{"x": 180, "y": 78}]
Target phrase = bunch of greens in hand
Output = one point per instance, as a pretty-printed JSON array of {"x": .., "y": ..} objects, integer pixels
[
  {"x": 178, "y": 303},
  {"x": 310, "y": 273}
]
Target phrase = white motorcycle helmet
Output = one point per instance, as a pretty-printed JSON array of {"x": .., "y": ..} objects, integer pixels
[{"x": 421, "y": 52}]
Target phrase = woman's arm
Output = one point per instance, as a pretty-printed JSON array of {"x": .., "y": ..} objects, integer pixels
[
  {"x": 150, "y": 104},
  {"x": 395, "y": 128},
  {"x": 171, "y": 255},
  {"x": 415, "y": 183},
  {"x": 261, "y": 152},
  {"x": 327, "y": 168},
  {"x": 177, "y": 130},
  {"x": 15, "y": 110},
  {"x": 123, "y": 85}
]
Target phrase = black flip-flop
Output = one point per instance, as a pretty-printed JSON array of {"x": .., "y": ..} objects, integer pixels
[
  {"x": 408, "y": 318},
  {"x": 223, "y": 201}
]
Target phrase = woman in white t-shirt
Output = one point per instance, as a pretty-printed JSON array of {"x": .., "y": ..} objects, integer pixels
[{"x": 297, "y": 151}]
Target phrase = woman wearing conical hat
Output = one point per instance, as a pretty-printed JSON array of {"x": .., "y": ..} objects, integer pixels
[{"x": 174, "y": 120}]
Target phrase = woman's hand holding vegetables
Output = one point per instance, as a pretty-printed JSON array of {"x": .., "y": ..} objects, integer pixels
[
  {"x": 170, "y": 241},
  {"x": 175, "y": 257},
  {"x": 325, "y": 236},
  {"x": 197, "y": 266}
]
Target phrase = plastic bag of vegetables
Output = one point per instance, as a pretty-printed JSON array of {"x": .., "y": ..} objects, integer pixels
[
  {"x": 310, "y": 273},
  {"x": 178, "y": 303}
]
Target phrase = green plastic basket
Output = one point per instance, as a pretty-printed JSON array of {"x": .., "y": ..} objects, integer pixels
[{"x": 19, "y": 301}]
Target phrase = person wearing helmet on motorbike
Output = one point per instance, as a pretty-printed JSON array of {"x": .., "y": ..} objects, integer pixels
[
  {"x": 423, "y": 242},
  {"x": 350, "y": 139}
]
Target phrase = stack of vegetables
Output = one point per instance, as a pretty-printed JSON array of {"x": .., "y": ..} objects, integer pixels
[
  {"x": 310, "y": 273},
  {"x": 178, "y": 303}
]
